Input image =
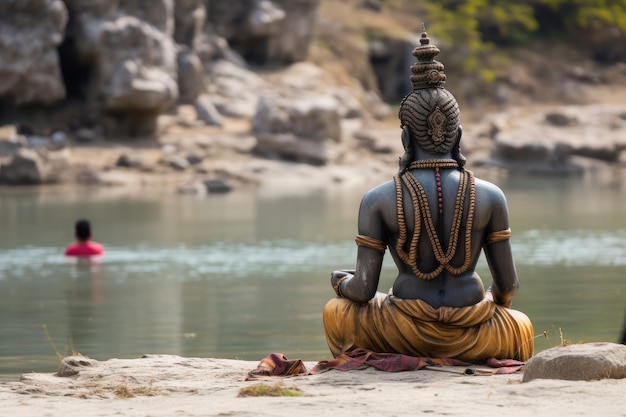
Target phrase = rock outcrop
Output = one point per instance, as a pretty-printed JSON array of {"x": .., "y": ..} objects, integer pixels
[
  {"x": 127, "y": 62},
  {"x": 557, "y": 140}
]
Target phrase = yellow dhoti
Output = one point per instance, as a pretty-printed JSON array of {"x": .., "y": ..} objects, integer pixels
[{"x": 388, "y": 324}]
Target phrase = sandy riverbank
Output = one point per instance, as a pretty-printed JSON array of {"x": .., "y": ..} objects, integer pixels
[{"x": 166, "y": 385}]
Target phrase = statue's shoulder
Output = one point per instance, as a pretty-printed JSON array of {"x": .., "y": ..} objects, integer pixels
[
  {"x": 489, "y": 191},
  {"x": 380, "y": 195}
]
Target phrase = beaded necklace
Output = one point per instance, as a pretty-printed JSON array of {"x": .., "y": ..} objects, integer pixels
[{"x": 421, "y": 206}]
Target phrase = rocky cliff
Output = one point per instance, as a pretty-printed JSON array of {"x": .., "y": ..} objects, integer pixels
[
  {"x": 284, "y": 80},
  {"x": 128, "y": 61}
]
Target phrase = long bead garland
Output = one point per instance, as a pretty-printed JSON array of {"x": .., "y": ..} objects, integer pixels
[{"x": 420, "y": 205}]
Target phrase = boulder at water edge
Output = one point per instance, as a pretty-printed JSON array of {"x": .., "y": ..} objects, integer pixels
[{"x": 580, "y": 362}]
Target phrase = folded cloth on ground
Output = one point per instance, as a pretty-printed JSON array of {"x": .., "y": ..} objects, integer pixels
[{"x": 277, "y": 364}]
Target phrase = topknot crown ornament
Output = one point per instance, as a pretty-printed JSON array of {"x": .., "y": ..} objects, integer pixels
[{"x": 426, "y": 72}]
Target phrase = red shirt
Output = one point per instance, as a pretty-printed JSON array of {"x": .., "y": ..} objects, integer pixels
[{"x": 88, "y": 248}]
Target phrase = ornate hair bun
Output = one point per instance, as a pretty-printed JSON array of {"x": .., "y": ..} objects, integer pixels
[{"x": 426, "y": 72}]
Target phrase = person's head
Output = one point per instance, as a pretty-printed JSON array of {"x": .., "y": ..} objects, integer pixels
[
  {"x": 430, "y": 114},
  {"x": 83, "y": 230}
]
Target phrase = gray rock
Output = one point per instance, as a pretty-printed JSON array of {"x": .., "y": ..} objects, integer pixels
[
  {"x": 132, "y": 88},
  {"x": 85, "y": 135},
  {"x": 580, "y": 362},
  {"x": 58, "y": 140},
  {"x": 375, "y": 106},
  {"x": 190, "y": 76},
  {"x": 9, "y": 146},
  {"x": 30, "y": 32},
  {"x": 72, "y": 365},
  {"x": 35, "y": 141},
  {"x": 128, "y": 161},
  {"x": 314, "y": 117},
  {"x": 349, "y": 106},
  {"x": 87, "y": 177},
  {"x": 560, "y": 119},
  {"x": 375, "y": 141},
  {"x": 266, "y": 32},
  {"x": 195, "y": 188},
  {"x": 547, "y": 142},
  {"x": 293, "y": 148},
  {"x": 217, "y": 186},
  {"x": 130, "y": 54},
  {"x": 373, "y": 5},
  {"x": 291, "y": 43},
  {"x": 234, "y": 90},
  {"x": 176, "y": 161},
  {"x": 297, "y": 129},
  {"x": 189, "y": 16},
  {"x": 207, "y": 112},
  {"x": 194, "y": 158},
  {"x": 27, "y": 167}
]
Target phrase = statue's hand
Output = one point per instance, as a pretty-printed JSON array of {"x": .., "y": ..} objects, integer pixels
[
  {"x": 337, "y": 277},
  {"x": 504, "y": 301}
]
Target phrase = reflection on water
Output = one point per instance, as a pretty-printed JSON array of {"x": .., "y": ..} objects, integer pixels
[{"x": 243, "y": 275}]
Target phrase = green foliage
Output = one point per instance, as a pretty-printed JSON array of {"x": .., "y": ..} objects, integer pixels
[
  {"x": 519, "y": 22},
  {"x": 460, "y": 28},
  {"x": 610, "y": 13},
  {"x": 566, "y": 17},
  {"x": 476, "y": 26}
]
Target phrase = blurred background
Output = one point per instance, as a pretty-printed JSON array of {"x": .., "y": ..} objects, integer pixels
[{"x": 220, "y": 150}]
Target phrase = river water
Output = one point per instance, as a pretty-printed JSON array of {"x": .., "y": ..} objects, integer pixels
[{"x": 245, "y": 274}]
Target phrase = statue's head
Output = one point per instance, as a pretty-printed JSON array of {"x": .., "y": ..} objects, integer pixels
[{"x": 430, "y": 113}]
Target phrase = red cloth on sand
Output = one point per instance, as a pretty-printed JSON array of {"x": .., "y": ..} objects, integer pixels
[{"x": 277, "y": 364}]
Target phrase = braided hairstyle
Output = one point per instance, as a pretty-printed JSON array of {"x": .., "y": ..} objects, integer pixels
[{"x": 429, "y": 114}]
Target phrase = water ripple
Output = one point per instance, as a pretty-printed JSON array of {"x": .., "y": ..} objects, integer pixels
[
  {"x": 232, "y": 260},
  {"x": 571, "y": 247},
  {"x": 280, "y": 257}
]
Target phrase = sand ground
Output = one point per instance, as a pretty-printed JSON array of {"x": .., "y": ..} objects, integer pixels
[{"x": 167, "y": 385}]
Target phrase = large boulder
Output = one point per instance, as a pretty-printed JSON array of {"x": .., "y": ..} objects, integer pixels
[
  {"x": 314, "y": 117},
  {"x": 266, "y": 32},
  {"x": 234, "y": 90},
  {"x": 30, "y": 32},
  {"x": 31, "y": 167},
  {"x": 299, "y": 129},
  {"x": 580, "y": 362},
  {"x": 128, "y": 49}
]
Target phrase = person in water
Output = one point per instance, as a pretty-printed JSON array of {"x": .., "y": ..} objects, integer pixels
[
  {"x": 84, "y": 246},
  {"x": 435, "y": 218}
]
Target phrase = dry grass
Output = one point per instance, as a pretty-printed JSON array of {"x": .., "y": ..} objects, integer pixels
[
  {"x": 276, "y": 390},
  {"x": 123, "y": 391},
  {"x": 562, "y": 340},
  {"x": 69, "y": 349}
]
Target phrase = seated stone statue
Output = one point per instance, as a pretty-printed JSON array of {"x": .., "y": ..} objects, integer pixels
[{"x": 435, "y": 218}]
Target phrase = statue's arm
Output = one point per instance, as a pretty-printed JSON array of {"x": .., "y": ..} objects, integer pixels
[
  {"x": 500, "y": 256},
  {"x": 361, "y": 285}
]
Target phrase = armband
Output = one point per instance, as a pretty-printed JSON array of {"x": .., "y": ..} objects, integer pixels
[
  {"x": 498, "y": 236},
  {"x": 370, "y": 242}
]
